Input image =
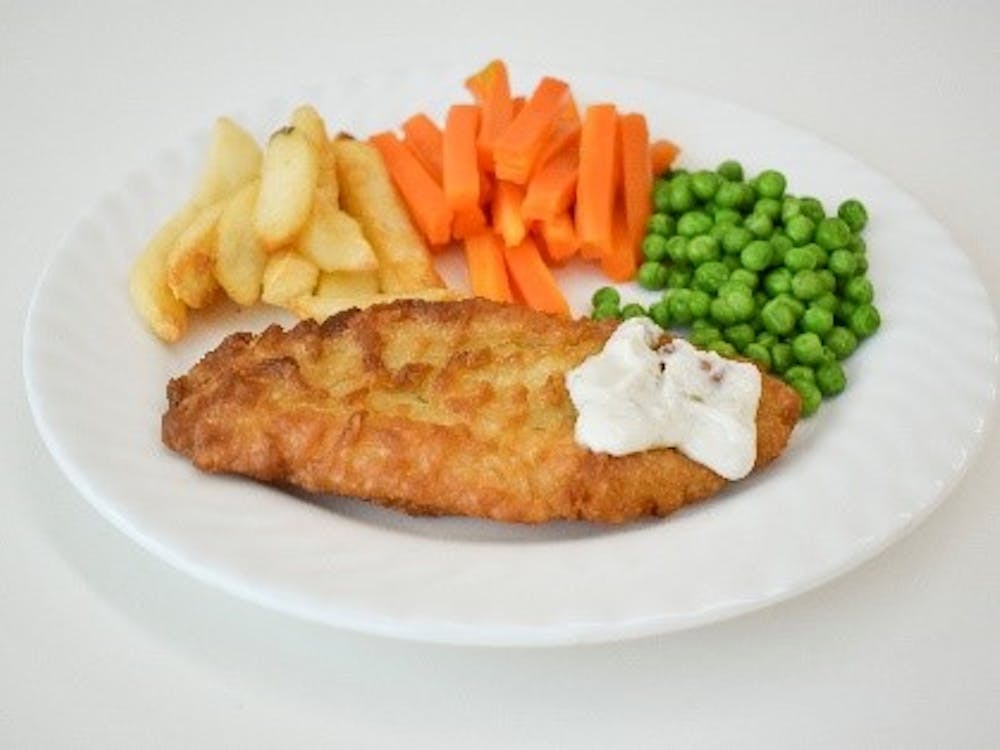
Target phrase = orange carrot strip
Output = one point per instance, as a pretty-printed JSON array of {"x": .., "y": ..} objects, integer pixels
[
  {"x": 637, "y": 175},
  {"x": 517, "y": 148},
  {"x": 491, "y": 89},
  {"x": 620, "y": 263},
  {"x": 467, "y": 222},
  {"x": 560, "y": 238},
  {"x": 533, "y": 280},
  {"x": 507, "y": 220},
  {"x": 517, "y": 105},
  {"x": 662, "y": 154},
  {"x": 597, "y": 185},
  {"x": 566, "y": 132},
  {"x": 426, "y": 141},
  {"x": 487, "y": 267},
  {"x": 423, "y": 196},
  {"x": 553, "y": 187},
  {"x": 461, "y": 165}
]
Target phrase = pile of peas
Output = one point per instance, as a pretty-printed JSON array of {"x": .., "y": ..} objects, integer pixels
[{"x": 752, "y": 271}]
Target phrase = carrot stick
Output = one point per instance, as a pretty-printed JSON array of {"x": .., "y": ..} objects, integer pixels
[
  {"x": 517, "y": 105},
  {"x": 507, "y": 218},
  {"x": 426, "y": 141},
  {"x": 491, "y": 89},
  {"x": 637, "y": 175},
  {"x": 424, "y": 197},
  {"x": 553, "y": 187},
  {"x": 461, "y": 166},
  {"x": 517, "y": 148},
  {"x": 619, "y": 264},
  {"x": 566, "y": 131},
  {"x": 467, "y": 222},
  {"x": 487, "y": 267},
  {"x": 533, "y": 280},
  {"x": 596, "y": 185},
  {"x": 560, "y": 238},
  {"x": 662, "y": 154}
]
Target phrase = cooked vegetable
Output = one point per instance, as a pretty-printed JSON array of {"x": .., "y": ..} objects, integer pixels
[
  {"x": 662, "y": 154},
  {"x": 288, "y": 179},
  {"x": 426, "y": 141},
  {"x": 597, "y": 182},
  {"x": 637, "y": 174},
  {"x": 533, "y": 280},
  {"x": 619, "y": 264},
  {"x": 516, "y": 150},
  {"x": 559, "y": 235},
  {"x": 491, "y": 89},
  {"x": 487, "y": 267},
  {"x": 461, "y": 160},
  {"x": 552, "y": 189},
  {"x": 508, "y": 217}
]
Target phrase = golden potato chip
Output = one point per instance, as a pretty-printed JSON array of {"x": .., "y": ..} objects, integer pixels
[
  {"x": 337, "y": 284},
  {"x": 234, "y": 158},
  {"x": 287, "y": 185},
  {"x": 334, "y": 241},
  {"x": 191, "y": 262},
  {"x": 288, "y": 275},
  {"x": 240, "y": 257}
]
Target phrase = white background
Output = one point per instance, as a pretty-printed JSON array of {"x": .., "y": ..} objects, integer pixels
[{"x": 102, "y": 645}]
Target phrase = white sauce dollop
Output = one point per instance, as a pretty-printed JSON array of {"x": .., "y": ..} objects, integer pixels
[{"x": 631, "y": 397}]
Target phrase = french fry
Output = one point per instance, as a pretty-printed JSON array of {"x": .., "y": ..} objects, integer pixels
[
  {"x": 240, "y": 258},
  {"x": 338, "y": 284},
  {"x": 306, "y": 119},
  {"x": 288, "y": 179},
  {"x": 320, "y": 308},
  {"x": 147, "y": 284},
  {"x": 334, "y": 241},
  {"x": 234, "y": 158},
  {"x": 191, "y": 261},
  {"x": 309, "y": 121},
  {"x": 367, "y": 194},
  {"x": 287, "y": 276}
]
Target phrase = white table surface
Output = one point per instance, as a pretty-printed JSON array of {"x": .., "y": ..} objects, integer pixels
[{"x": 103, "y": 645}]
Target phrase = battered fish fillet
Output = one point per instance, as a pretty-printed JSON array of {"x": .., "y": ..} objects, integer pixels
[{"x": 446, "y": 408}]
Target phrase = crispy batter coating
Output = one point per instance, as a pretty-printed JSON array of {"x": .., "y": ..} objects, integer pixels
[{"x": 454, "y": 408}]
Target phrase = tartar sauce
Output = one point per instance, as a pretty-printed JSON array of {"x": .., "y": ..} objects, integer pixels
[{"x": 637, "y": 394}]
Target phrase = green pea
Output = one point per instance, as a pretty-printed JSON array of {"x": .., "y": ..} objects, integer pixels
[
  {"x": 680, "y": 312},
  {"x": 759, "y": 354},
  {"x": 841, "y": 342},
  {"x": 759, "y": 225},
  {"x": 740, "y": 300},
  {"x": 740, "y": 335},
  {"x": 830, "y": 378},
  {"x": 807, "y": 348},
  {"x": 857, "y": 244},
  {"x": 698, "y": 304},
  {"x": 769, "y": 207},
  {"x": 702, "y": 249},
  {"x": 828, "y": 279},
  {"x": 676, "y": 248},
  {"x": 726, "y": 216},
  {"x": 679, "y": 277},
  {"x": 800, "y": 229},
  {"x": 744, "y": 276},
  {"x": 816, "y": 320},
  {"x": 789, "y": 208},
  {"x": 770, "y": 184},
  {"x": 723, "y": 348},
  {"x": 757, "y": 255},
  {"x": 747, "y": 197},
  {"x": 865, "y": 320},
  {"x": 853, "y": 212},
  {"x": 736, "y": 238},
  {"x": 827, "y": 301},
  {"x": 843, "y": 263},
  {"x": 693, "y": 223},
  {"x": 718, "y": 232},
  {"x": 704, "y": 184},
  {"x": 661, "y": 196},
  {"x": 778, "y": 281},
  {"x": 799, "y": 372},
  {"x": 859, "y": 290},
  {"x": 781, "y": 356},
  {"x": 781, "y": 244},
  {"x": 660, "y": 313},
  {"x": 810, "y": 396},
  {"x": 652, "y": 275},
  {"x": 729, "y": 195},
  {"x": 704, "y": 335},
  {"x": 654, "y": 247},
  {"x": 605, "y": 295},
  {"x": 732, "y": 262},
  {"x": 812, "y": 208},
  {"x": 661, "y": 224},
  {"x": 862, "y": 261},
  {"x": 766, "y": 338},
  {"x": 731, "y": 170},
  {"x": 807, "y": 285},
  {"x": 680, "y": 197},
  {"x": 794, "y": 304},
  {"x": 708, "y": 277},
  {"x": 606, "y": 311},
  {"x": 778, "y": 318},
  {"x": 845, "y": 308},
  {"x": 633, "y": 310},
  {"x": 819, "y": 254},
  {"x": 833, "y": 233},
  {"x": 722, "y": 312}
]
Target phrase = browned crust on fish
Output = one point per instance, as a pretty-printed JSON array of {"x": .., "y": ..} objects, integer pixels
[{"x": 455, "y": 408}]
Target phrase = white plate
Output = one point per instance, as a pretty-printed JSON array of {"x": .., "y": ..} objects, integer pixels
[{"x": 856, "y": 477}]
